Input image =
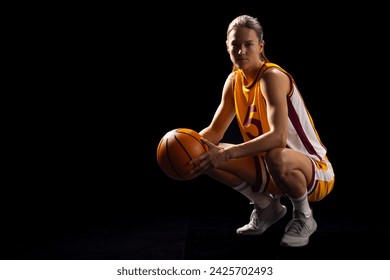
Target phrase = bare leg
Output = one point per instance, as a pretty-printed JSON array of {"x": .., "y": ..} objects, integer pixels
[
  {"x": 240, "y": 175},
  {"x": 291, "y": 171}
]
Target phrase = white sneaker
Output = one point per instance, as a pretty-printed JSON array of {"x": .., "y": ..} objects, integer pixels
[
  {"x": 298, "y": 230},
  {"x": 262, "y": 219}
]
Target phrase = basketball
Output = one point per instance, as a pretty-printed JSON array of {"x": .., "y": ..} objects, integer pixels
[{"x": 176, "y": 148}]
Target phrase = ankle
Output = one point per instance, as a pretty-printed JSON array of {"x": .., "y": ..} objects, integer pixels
[
  {"x": 299, "y": 214},
  {"x": 263, "y": 202}
]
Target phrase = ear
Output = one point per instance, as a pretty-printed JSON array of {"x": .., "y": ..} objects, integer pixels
[
  {"x": 261, "y": 46},
  {"x": 227, "y": 46}
]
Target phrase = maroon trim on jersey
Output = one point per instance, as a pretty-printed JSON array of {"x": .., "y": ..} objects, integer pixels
[
  {"x": 311, "y": 186},
  {"x": 259, "y": 177},
  {"x": 268, "y": 176},
  {"x": 297, "y": 125},
  {"x": 257, "y": 76}
]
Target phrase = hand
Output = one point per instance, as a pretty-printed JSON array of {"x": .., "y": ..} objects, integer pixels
[{"x": 209, "y": 160}]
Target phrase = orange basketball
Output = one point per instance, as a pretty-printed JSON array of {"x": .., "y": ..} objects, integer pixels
[{"x": 176, "y": 148}]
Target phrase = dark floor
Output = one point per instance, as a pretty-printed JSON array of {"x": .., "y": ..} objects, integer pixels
[
  {"x": 192, "y": 236},
  {"x": 111, "y": 211}
]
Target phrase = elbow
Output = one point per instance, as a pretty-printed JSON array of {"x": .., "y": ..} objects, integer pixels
[{"x": 281, "y": 140}]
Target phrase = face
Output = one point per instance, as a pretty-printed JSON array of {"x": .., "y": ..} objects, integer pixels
[{"x": 244, "y": 48}]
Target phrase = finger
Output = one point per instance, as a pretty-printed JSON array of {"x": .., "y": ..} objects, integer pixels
[
  {"x": 197, "y": 160},
  {"x": 199, "y": 168},
  {"x": 208, "y": 143},
  {"x": 196, "y": 169}
]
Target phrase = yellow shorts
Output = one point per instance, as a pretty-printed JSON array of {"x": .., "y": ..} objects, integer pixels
[{"x": 320, "y": 186}]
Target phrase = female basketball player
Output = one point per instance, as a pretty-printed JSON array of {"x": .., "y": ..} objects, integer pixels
[{"x": 282, "y": 154}]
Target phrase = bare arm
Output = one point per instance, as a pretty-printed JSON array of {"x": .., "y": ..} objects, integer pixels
[{"x": 275, "y": 86}]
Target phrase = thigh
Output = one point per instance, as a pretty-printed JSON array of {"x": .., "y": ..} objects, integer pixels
[
  {"x": 237, "y": 170},
  {"x": 284, "y": 160},
  {"x": 319, "y": 175},
  {"x": 245, "y": 168}
]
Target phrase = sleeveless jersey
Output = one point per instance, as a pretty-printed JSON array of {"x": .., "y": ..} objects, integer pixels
[{"x": 251, "y": 112}]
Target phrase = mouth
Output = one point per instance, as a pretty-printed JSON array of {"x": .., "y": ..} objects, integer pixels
[{"x": 241, "y": 60}]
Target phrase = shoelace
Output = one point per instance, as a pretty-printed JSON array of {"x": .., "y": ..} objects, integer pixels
[
  {"x": 254, "y": 219},
  {"x": 296, "y": 226}
]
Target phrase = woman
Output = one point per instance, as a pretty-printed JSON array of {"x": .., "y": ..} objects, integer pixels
[{"x": 282, "y": 154}]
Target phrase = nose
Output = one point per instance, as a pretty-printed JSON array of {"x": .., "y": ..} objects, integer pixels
[{"x": 241, "y": 50}]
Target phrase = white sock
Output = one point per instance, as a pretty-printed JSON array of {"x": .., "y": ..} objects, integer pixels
[
  {"x": 301, "y": 204},
  {"x": 262, "y": 200}
]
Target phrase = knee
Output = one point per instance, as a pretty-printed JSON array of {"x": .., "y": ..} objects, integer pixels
[{"x": 275, "y": 162}]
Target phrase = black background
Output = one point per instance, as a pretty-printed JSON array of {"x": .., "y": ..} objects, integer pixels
[{"x": 97, "y": 87}]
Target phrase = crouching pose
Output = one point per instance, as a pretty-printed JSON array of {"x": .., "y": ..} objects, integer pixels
[{"x": 281, "y": 153}]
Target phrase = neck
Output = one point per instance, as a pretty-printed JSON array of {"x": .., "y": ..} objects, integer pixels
[{"x": 251, "y": 74}]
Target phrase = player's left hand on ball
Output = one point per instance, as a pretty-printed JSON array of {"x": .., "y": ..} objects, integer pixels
[{"x": 206, "y": 161}]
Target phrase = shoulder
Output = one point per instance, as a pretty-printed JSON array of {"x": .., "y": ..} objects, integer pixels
[
  {"x": 232, "y": 76},
  {"x": 230, "y": 80},
  {"x": 229, "y": 84},
  {"x": 275, "y": 81},
  {"x": 275, "y": 73}
]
